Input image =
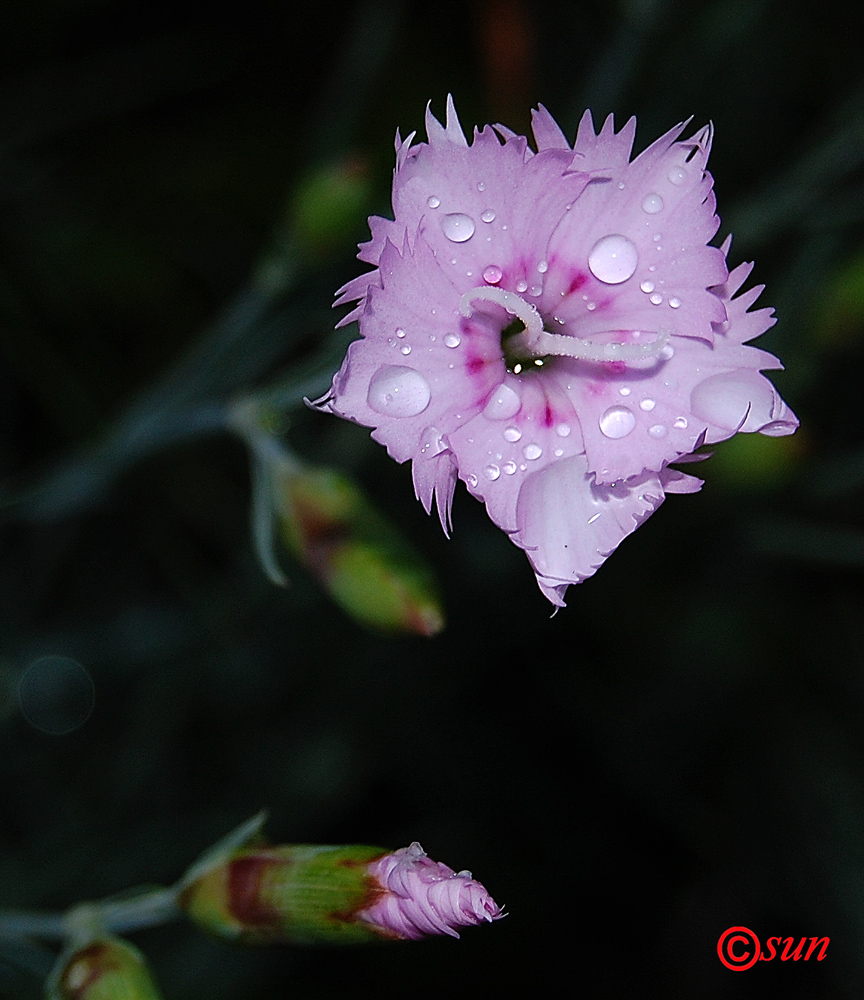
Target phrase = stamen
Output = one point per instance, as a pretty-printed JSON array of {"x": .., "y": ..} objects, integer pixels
[
  {"x": 536, "y": 342},
  {"x": 513, "y": 303},
  {"x": 545, "y": 343}
]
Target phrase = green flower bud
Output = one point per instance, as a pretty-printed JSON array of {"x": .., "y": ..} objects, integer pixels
[
  {"x": 367, "y": 566},
  {"x": 104, "y": 969},
  {"x": 298, "y": 893}
]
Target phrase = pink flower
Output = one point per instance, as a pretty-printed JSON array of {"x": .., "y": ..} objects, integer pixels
[
  {"x": 419, "y": 896},
  {"x": 553, "y": 329}
]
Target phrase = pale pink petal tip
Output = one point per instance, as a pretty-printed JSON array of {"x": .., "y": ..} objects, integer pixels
[
  {"x": 556, "y": 329},
  {"x": 417, "y": 897}
]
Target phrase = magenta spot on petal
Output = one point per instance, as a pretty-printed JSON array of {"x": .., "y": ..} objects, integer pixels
[
  {"x": 578, "y": 280},
  {"x": 548, "y": 416},
  {"x": 475, "y": 365},
  {"x": 615, "y": 367}
]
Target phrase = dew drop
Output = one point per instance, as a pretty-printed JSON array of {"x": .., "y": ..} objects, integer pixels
[
  {"x": 563, "y": 430},
  {"x": 521, "y": 285},
  {"x": 532, "y": 452},
  {"x": 432, "y": 441},
  {"x": 512, "y": 434},
  {"x": 542, "y": 267},
  {"x": 617, "y": 422},
  {"x": 488, "y": 215},
  {"x": 400, "y": 333},
  {"x": 452, "y": 340},
  {"x": 591, "y": 306},
  {"x": 503, "y": 403},
  {"x": 406, "y": 350},
  {"x": 398, "y": 392},
  {"x": 647, "y": 405},
  {"x": 652, "y": 204},
  {"x": 509, "y": 468},
  {"x": 647, "y": 286},
  {"x": 674, "y": 302},
  {"x": 658, "y": 431},
  {"x": 472, "y": 480},
  {"x": 624, "y": 391},
  {"x": 656, "y": 299},
  {"x": 677, "y": 175},
  {"x": 613, "y": 259},
  {"x": 535, "y": 290},
  {"x": 594, "y": 517},
  {"x": 481, "y": 186},
  {"x": 457, "y": 227},
  {"x": 680, "y": 423},
  {"x": 493, "y": 274},
  {"x": 432, "y": 201},
  {"x": 558, "y": 452},
  {"x": 491, "y": 472},
  {"x": 666, "y": 352}
]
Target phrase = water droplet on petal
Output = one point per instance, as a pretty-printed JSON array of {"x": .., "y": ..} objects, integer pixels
[
  {"x": 457, "y": 227},
  {"x": 563, "y": 430},
  {"x": 400, "y": 333},
  {"x": 652, "y": 204},
  {"x": 647, "y": 404},
  {"x": 398, "y": 392},
  {"x": 594, "y": 517},
  {"x": 503, "y": 403},
  {"x": 488, "y": 215},
  {"x": 542, "y": 267},
  {"x": 647, "y": 286},
  {"x": 658, "y": 431},
  {"x": 452, "y": 340},
  {"x": 406, "y": 350},
  {"x": 509, "y": 468},
  {"x": 624, "y": 391},
  {"x": 512, "y": 434},
  {"x": 432, "y": 201},
  {"x": 481, "y": 186},
  {"x": 492, "y": 472},
  {"x": 521, "y": 285},
  {"x": 617, "y": 421},
  {"x": 680, "y": 423},
  {"x": 666, "y": 352},
  {"x": 656, "y": 299},
  {"x": 674, "y": 302},
  {"x": 558, "y": 452},
  {"x": 532, "y": 451},
  {"x": 677, "y": 175},
  {"x": 727, "y": 399},
  {"x": 432, "y": 441},
  {"x": 613, "y": 259},
  {"x": 493, "y": 274},
  {"x": 535, "y": 290}
]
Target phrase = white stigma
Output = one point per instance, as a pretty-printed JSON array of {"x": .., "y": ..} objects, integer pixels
[{"x": 537, "y": 342}]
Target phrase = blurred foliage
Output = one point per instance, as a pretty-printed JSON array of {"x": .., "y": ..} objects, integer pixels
[{"x": 678, "y": 751}]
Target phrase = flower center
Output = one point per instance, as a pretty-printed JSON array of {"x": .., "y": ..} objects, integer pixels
[{"x": 525, "y": 341}]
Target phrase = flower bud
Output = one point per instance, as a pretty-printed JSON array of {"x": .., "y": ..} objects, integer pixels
[
  {"x": 105, "y": 969},
  {"x": 369, "y": 569},
  {"x": 305, "y": 894}
]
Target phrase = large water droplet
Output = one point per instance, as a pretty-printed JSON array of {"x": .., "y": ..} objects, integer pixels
[
  {"x": 521, "y": 285},
  {"x": 652, "y": 204},
  {"x": 492, "y": 472},
  {"x": 432, "y": 201},
  {"x": 509, "y": 468},
  {"x": 398, "y": 392},
  {"x": 656, "y": 299},
  {"x": 674, "y": 302},
  {"x": 512, "y": 434},
  {"x": 647, "y": 286},
  {"x": 400, "y": 333},
  {"x": 406, "y": 350},
  {"x": 452, "y": 340},
  {"x": 532, "y": 452},
  {"x": 613, "y": 259},
  {"x": 457, "y": 227},
  {"x": 492, "y": 274},
  {"x": 503, "y": 403},
  {"x": 617, "y": 421},
  {"x": 727, "y": 399},
  {"x": 488, "y": 215}
]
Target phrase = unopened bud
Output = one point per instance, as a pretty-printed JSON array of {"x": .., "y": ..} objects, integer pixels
[
  {"x": 368, "y": 568},
  {"x": 308, "y": 894},
  {"x": 105, "y": 969}
]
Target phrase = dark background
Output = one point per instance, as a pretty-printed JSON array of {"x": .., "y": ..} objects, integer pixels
[{"x": 678, "y": 751}]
